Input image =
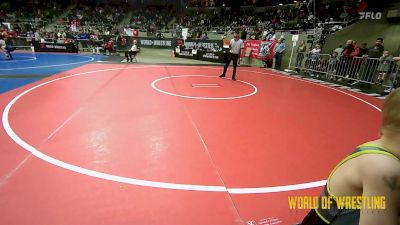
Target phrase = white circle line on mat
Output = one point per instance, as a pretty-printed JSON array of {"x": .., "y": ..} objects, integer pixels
[
  {"x": 154, "y": 86},
  {"x": 49, "y": 66},
  {"x": 19, "y": 60}
]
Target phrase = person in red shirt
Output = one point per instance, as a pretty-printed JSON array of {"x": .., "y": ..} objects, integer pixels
[
  {"x": 109, "y": 46},
  {"x": 355, "y": 63},
  {"x": 135, "y": 34},
  {"x": 3, "y": 33},
  {"x": 344, "y": 63}
]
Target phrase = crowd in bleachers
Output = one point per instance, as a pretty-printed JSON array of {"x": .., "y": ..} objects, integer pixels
[
  {"x": 25, "y": 17},
  {"x": 153, "y": 18},
  {"x": 293, "y": 16},
  {"x": 105, "y": 19},
  {"x": 97, "y": 16},
  {"x": 84, "y": 19}
]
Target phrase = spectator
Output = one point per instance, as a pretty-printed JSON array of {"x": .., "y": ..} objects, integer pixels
[
  {"x": 95, "y": 43},
  {"x": 6, "y": 47},
  {"x": 109, "y": 46},
  {"x": 205, "y": 37},
  {"x": 385, "y": 62},
  {"x": 258, "y": 34},
  {"x": 135, "y": 34},
  {"x": 355, "y": 63},
  {"x": 315, "y": 57},
  {"x": 37, "y": 36},
  {"x": 71, "y": 47},
  {"x": 377, "y": 50},
  {"x": 374, "y": 52},
  {"x": 121, "y": 42},
  {"x": 349, "y": 49},
  {"x": 243, "y": 35},
  {"x": 225, "y": 35},
  {"x": 332, "y": 64},
  {"x": 270, "y": 35},
  {"x": 3, "y": 33},
  {"x": 17, "y": 29},
  {"x": 128, "y": 31},
  {"x": 339, "y": 50},
  {"x": 301, "y": 50},
  {"x": 278, "y": 52},
  {"x": 395, "y": 77},
  {"x": 84, "y": 38},
  {"x": 364, "y": 49},
  {"x": 344, "y": 62}
]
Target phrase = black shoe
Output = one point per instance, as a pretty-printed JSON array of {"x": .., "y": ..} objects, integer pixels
[
  {"x": 222, "y": 76},
  {"x": 234, "y": 78}
]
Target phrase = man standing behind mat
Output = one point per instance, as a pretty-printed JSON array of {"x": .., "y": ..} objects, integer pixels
[
  {"x": 235, "y": 48},
  {"x": 278, "y": 52}
]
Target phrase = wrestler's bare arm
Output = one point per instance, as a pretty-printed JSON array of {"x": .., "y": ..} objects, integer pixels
[{"x": 381, "y": 177}]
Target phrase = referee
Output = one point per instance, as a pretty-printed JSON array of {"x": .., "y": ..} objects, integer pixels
[{"x": 235, "y": 48}]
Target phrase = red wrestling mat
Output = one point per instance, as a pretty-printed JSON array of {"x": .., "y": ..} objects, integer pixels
[{"x": 112, "y": 144}]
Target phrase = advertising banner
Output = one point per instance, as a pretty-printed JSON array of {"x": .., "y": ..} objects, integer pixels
[
  {"x": 263, "y": 50},
  {"x": 54, "y": 47}
]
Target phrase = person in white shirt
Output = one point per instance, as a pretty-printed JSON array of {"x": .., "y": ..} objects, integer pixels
[
  {"x": 131, "y": 54},
  {"x": 339, "y": 50},
  {"x": 5, "y": 48},
  {"x": 314, "y": 59},
  {"x": 235, "y": 47}
]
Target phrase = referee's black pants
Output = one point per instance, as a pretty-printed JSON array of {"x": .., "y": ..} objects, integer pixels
[{"x": 229, "y": 58}]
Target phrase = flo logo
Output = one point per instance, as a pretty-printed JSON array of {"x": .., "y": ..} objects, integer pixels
[{"x": 370, "y": 15}]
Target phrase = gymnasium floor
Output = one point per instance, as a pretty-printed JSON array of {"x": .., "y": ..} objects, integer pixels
[{"x": 99, "y": 142}]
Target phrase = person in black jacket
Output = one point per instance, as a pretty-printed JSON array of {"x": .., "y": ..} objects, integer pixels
[{"x": 374, "y": 52}]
